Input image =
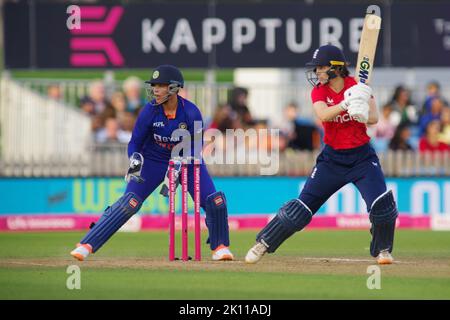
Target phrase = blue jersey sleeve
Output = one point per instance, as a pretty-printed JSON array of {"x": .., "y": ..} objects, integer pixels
[{"x": 141, "y": 129}]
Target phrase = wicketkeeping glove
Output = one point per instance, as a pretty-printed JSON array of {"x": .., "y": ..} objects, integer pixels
[
  {"x": 176, "y": 176},
  {"x": 135, "y": 168}
]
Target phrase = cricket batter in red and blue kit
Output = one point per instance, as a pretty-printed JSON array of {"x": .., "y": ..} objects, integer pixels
[
  {"x": 150, "y": 150},
  {"x": 345, "y": 108}
]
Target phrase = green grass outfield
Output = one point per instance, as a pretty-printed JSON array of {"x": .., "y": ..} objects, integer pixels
[{"x": 310, "y": 265}]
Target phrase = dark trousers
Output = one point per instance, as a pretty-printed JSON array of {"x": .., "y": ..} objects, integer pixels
[{"x": 336, "y": 168}]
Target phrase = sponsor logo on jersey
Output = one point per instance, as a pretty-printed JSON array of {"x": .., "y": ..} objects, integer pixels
[
  {"x": 158, "y": 124},
  {"x": 159, "y": 138},
  {"x": 344, "y": 118}
]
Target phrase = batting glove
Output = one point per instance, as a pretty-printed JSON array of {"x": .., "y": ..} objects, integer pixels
[
  {"x": 360, "y": 90},
  {"x": 359, "y": 110}
]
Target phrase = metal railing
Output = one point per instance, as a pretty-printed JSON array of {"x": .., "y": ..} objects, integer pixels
[{"x": 111, "y": 160}]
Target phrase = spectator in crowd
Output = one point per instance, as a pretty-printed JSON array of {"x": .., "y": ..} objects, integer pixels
[
  {"x": 132, "y": 87},
  {"x": 436, "y": 107},
  {"x": 119, "y": 103},
  {"x": 405, "y": 111},
  {"x": 386, "y": 125},
  {"x": 433, "y": 91},
  {"x": 287, "y": 124},
  {"x": 400, "y": 139},
  {"x": 97, "y": 123},
  {"x": 430, "y": 141},
  {"x": 264, "y": 140},
  {"x": 97, "y": 97},
  {"x": 98, "y": 119},
  {"x": 301, "y": 133},
  {"x": 225, "y": 118},
  {"x": 109, "y": 112},
  {"x": 112, "y": 132},
  {"x": 87, "y": 106},
  {"x": 126, "y": 124},
  {"x": 238, "y": 103},
  {"x": 444, "y": 135},
  {"x": 54, "y": 92}
]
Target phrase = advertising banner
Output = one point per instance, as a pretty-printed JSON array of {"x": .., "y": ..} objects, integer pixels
[{"x": 190, "y": 35}]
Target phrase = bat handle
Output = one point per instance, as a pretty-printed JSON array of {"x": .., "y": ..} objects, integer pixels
[{"x": 374, "y": 9}]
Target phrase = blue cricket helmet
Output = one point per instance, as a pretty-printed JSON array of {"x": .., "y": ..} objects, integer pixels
[
  {"x": 167, "y": 74},
  {"x": 327, "y": 55}
]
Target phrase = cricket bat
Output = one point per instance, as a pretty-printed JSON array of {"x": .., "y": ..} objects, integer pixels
[{"x": 368, "y": 44}]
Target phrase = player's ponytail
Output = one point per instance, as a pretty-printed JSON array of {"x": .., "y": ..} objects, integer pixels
[{"x": 344, "y": 71}]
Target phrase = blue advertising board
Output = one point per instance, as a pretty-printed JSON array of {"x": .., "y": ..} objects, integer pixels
[{"x": 245, "y": 195}]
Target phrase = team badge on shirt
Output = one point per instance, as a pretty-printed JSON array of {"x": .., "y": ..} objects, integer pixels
[
  {"x": 182, "y": 125},
  {"x": 330, "y": 101},
  {"x": 133, "y": 202},
  {"x": 218, "y": 200}
]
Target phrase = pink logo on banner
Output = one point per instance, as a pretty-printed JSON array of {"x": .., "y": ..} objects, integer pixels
[{"x": 99, "y": 49}]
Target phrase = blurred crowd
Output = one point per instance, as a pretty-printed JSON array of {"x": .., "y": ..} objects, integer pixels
[
  {"x": 113, "y": 117},
  {"x": 402, "y": 125},
  {"x": 295, "y": 132}
]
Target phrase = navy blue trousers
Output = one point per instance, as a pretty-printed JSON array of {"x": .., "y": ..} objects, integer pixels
[{"x": 336, "y": 168}]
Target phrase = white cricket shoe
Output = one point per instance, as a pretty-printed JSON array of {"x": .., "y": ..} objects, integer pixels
[
  {"x": 222, "y": 253},
  {"x": 81, "y": 252},
  {"x": 384, "y": 257},
  {"x": 255, "y": 253}
]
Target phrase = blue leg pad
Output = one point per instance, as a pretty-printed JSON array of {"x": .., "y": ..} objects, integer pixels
[
  {"x": 293, "y": 216},
  {"x": 217, "y": 220},
  {"x": 383, "y": 215},
  {"x": 112, "y": 219}
]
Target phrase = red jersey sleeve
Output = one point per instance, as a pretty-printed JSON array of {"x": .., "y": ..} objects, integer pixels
[{"x": 318, "y": 94}]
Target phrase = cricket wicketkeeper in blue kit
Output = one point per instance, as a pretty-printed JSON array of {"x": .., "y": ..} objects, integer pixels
[{"x": 149, "y": 151}]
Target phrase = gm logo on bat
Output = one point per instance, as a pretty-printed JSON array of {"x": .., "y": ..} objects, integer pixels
[{"x": 364, "y": 68}]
